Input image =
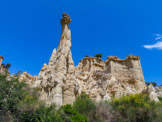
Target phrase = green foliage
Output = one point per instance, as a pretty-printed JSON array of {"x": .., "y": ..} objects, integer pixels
[
  {"x": 105, "y": 112},
  {"x": 20, "y": 101},
  {"x": 6, "y": 65},
  {"x": 136, "y": 107},
  {"x": 11, "y": 92},
  {"x": 84, "y": 105},
  {"x": 153, "y": 83},
  {"x": 69, "y": 114},
  {"x": 18, "y": 73},
  {"x": 160, "y": 99},
  {"x": 41, "y": 114},
  {"x": 98, "y": 55},
  {"x": 86, "y": 56}
]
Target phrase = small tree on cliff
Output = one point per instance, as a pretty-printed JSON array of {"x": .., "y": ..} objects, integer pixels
[
  {"x": 6, "y": 65},
  {"x": 98, "y": 55}
]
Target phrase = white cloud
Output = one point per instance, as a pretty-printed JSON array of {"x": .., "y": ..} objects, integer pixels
[
  {"x": 157, "y": 45},
  {"x": 158, "y": 36}
]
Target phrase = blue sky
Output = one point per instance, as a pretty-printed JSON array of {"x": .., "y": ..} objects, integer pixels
[{"x": 30, "y": 30}]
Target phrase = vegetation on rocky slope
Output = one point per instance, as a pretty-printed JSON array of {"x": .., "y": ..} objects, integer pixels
[{"x": 19, "y": 103}]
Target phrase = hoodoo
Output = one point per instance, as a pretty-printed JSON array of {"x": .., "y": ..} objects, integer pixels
[
  {"x": 60, "y": 82},
  {"x": 56, "y": 80}
]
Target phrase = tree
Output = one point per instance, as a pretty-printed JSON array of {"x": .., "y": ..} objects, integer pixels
[
  {"x": 18, "y": 73},
  {"x": 98, "y": 55},
  {"x": 153, "y": 83},
  {"x": 8, "y": 66},
  {"x": 11, "y": 93},
  {"x": 85, "y": 105}
]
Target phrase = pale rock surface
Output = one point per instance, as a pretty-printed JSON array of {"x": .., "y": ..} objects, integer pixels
[
  {"x": 158, "y": 90},
  {"x": 1, "y": 59},
  {"x": 29, "y": 79},
  {"x": 152, "y": 93},
  {"x": 52, "y": 59},
  {"x": 1, "y": 67},
  {"x": 113, "y": 78},
  {"x": 56, "y": 81},
  {"x": 127, "y": 71},
  {"x": 60, "y": 82}
]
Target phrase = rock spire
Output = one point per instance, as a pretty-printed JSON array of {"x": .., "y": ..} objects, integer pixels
[
  {"x": 54, "y": 80},
  {"x": 60, "y": 82}
]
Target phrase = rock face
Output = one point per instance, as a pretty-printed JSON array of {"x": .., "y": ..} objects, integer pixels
[
  {"x": 2, "y": 67},
  {"x": 113, "y": 78},
  {"x": 54, "y": 80},
  {"x": 1, "y": 59},
  {"x": 152, "y": 93},
  {"x": 158, "y": 90},
  {"x": 60, "y": 82},
  {"x": 127, "y": 71},
  {"x": 29, "y": 79}
]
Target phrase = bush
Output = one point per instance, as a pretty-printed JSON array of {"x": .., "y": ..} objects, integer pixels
[
  {"x": 84, "y": 105},
  {"x": 11, "y": 93},
  {"x": 105, "y": 112},
  {"x": 6, "y": 65},
  {"x": 42, "y": 114},
  {"x": 69, "y": 114},
  {"x": 153, "y": 83},
  {"x": 137, "y": 108},
  {"x": 160, "y": 99},
  {"x": 98, "y": 55}
]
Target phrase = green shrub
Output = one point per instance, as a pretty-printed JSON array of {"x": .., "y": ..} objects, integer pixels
[
  {"x": 105, "y": 112},
  {"x": 136, "y": 107},
  {"x": 11, "y": 93},
  {"x": 69, "y": 114},
  {"x": 42, "y": 114},
  {"x": 6, "y": 65},
  {"x": 153, "y": 83},
  {"x": 160, "y": 99},
  {"x": 84, "y": 105},
  {"x": 98, "y": 55}
]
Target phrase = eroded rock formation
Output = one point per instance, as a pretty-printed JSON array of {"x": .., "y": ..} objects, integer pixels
[
  {"x": 3, "y": 68},
  {"x": 60, "y": 82},
  {"x": 29, "y": 79},
  {"x": 56, "y": 80},
  {"x": 1, "y": 59},
  {"x": 111, "y": 78}
]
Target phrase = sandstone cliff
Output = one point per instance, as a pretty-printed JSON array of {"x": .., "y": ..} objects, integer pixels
[
  {"x": 29, "y": 79},
  {"x": 56, "y": 80},
  {"x": 1, "y": 59},
  {"x": 3, "y": 68},
  {"x": 111, "y": 78},
  {"x": 60, "y": 82}
]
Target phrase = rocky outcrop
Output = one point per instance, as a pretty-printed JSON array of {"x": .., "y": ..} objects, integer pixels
[
  {"x": 1, "y": 67},
  {"x": 127, "y": 71},
  {"x": 152, "y": 93},
  {"x": 1, "y": 59},
  {"x": 158, "y": 90},
  {"x": 55, "y": 79},
  {"x": 60, "y": 82},
  {"x": 111, "y": 78},
  {"x": 26, "y": 77}
]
